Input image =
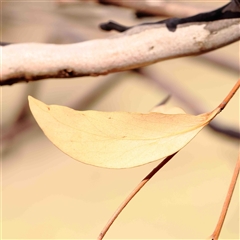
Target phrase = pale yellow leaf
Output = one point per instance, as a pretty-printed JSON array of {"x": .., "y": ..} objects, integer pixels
[{"x": 116, "y": 139}]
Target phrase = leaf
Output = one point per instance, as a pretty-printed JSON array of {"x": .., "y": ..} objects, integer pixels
[{"x": 117, "y": 139}]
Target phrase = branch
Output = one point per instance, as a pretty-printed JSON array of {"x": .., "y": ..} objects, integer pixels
[
  {"x": 132, "y": 194},
  {"x": 216, "y": 233},
  {"x": 226, "y": 204},
  {"x": 229, "y": 11},
  {"x": 139, "y": 46},
  {"x": 187, "y": 99}
]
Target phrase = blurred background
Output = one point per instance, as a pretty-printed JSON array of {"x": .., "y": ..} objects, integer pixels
[{"x": 48, "y": 195}]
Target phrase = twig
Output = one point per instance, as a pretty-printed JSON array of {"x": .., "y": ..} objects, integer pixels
[
  {"x": 223, "y": 104},
  {"x": 132, "y": 194},
  {"x": 164, "y": 101},
  {"x": 187, "y": 99},
  {"x": 155, "y": 170},
  {"x": 226, "y": 204}
]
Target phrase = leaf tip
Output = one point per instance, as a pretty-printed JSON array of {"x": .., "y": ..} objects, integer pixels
[
  {"x": 35, "y": 105},
  {"x": 31, "y": 100}
]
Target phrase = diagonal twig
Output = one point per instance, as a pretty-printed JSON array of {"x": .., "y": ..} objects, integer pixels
[
  {"x": 132, "y": 194},
  {"x": 187, "y": 99},
  {"x": 226, "y": 204},
  {"x": 221, "y": 106}
]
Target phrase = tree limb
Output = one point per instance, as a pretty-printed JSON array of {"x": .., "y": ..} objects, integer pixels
[{"x": 139, "y": 46}]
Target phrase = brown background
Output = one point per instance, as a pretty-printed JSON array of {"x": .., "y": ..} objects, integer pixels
[{"x": 48, "y": 195}]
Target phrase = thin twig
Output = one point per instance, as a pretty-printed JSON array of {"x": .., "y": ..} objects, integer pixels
[
  {"x": 163, "y": 102},
  {"x": 223, "y": 104},
  {"x": 226, "y": 204},
  {"x": 186, "y": 98},
  {"x": 155, "y": 170},
  {"x": 132, "y": 194}
]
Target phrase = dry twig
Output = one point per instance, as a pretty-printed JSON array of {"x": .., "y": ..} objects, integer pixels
[
  {"x": 187, "y": 99},
  {"x": 132, "y": 194},
  {"x": 216, "y": 233},
  {"x": 226, "y": 204}
]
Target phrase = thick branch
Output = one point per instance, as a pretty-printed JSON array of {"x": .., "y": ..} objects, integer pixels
[{"x": 139, "y": 46}]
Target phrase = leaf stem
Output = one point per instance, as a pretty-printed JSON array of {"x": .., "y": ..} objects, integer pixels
[
  {"x": 222, "y": 216},
  {"x": 216, "y": 233},
  {"x": 223, "y": 104},
  {"x": 132, "y": 194}
]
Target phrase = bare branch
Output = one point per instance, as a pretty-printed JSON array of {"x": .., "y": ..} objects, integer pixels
[
  {"x": 132, "y": 194},
  {"x": 137, "y": 47},
  {"x": 227, "y": 201}
]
